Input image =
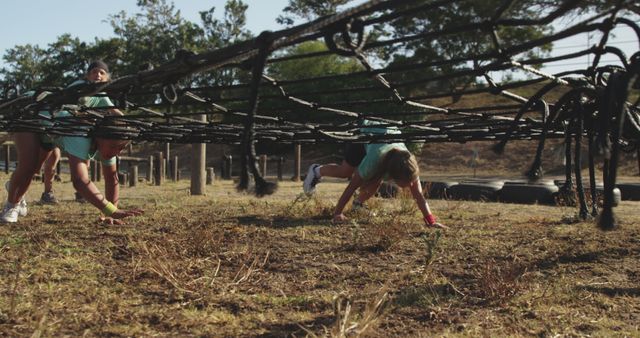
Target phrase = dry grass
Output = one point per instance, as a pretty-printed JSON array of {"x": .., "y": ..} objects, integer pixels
[{"x": 227, "y": 264}]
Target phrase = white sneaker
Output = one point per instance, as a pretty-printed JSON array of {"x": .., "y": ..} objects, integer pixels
[
  {"x": 310, "y": 181},
  {"x": 22, "y": 205},
  {"x": 10, "y": 213}
]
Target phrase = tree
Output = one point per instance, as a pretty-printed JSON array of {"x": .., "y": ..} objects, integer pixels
[
  {"x": 218, "y": 34},
  {"x": 25, "y": 66},
  {"x": 154, "y": 35},
  {"x": 308, "y": 10}
]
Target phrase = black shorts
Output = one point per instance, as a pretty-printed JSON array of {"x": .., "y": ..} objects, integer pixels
[
  {"x": 47, "y": 146},
  {"x": 354, "y": 153}
]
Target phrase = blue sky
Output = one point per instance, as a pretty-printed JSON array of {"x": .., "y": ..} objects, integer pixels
[{"x": 40, "y": 22}]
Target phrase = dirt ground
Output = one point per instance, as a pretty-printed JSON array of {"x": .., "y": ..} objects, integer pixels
[{"x": 231, "y": 265}]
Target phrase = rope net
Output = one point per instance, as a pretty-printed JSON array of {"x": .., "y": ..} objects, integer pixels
[{"x": 459, "y": 95}]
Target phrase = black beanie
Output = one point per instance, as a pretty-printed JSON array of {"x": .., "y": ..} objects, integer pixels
[{"x": 98, "y": 64}]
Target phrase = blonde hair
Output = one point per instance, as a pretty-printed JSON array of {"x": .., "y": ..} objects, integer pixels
[{"x": 399, "y": 164}]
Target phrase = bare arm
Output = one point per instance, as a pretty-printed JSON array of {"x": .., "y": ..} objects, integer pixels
[
  {"x": 418, "y": 196},
  {"x": 353, "y": 185},
  {"x": 111, "y": 184}
]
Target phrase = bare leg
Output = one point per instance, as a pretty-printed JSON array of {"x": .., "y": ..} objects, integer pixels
[
  {"x": 30, "y": 158},
  {"x": 343, "y": 170},
  {"x": 50, "y": 169}
]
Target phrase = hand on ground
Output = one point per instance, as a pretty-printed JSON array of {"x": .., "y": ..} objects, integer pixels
[
  {"x": 438, "y": 226},
  {"x": 122, "y": 213}
]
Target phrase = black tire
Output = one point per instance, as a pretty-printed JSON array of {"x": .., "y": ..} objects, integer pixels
[
  {"x": 629, "y": 191},
  {"x": 542, "y": 192},
  {"x": 437, "y": 190},
  {"x": 476, "y": 190}
]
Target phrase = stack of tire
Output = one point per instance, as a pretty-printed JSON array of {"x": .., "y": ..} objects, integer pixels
[
  {"x": 517, "y": 191},
  {"x": 476, "y": 190},
  {"x": 529, "y": 192}
]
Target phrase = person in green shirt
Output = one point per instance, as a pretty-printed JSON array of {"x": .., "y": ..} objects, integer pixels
[
  {"x": 381, "y": 161},
  {"x": 79, "y": 151}
]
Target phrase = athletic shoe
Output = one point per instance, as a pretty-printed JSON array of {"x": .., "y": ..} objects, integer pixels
[
  {"x": 48, "y": 198},
  {"x": 310, "y": 181},
  {"x": 22, "y": 205},
  {"x": 10, "y": 213}
]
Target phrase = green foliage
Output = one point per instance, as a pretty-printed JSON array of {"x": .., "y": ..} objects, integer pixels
[
  {"x": 154, "y": 35},
  {"x": 308, "y": 10},
  {"x": 312, "y": 67},
  {"x": 151, "y": 37},
  {"x": 26, "y": 65}
]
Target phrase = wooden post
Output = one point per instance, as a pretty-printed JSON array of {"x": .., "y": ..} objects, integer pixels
[
  {"x": 297, "y": 152},
  {"x": 198, "y": 164},
  {"x": 159, "y": 172},
  {"x": 211, "y": 175},
  {"x": 229, "y": 165},
  {"x": 174, "y": 169},
  {"x": 280, "y": 164},
  {"x": 263, "y": 165},
  {"x": 98, "y": 170},
  {"x": 150, "y": 170},
  {"x": 7, "y": 158},
  {"x": 123, "y": 179},
  {"x": 167, "y": 158},
  {"x": 92, "y": 170},
  {"x": 133, "y": 175}
]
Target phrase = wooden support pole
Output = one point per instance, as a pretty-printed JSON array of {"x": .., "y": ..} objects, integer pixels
[
  {"x": 198, "y": 164},
  {"x": 174, "y": 169},
  {"x": 150, "y": 170},
  {"x": 167, "y": 158},
  {"x": 92, "y": 170},
  {"x": 280, "y": 164},
  {"x": 123, "y": 179},
  {"x": 133, "y": 175},
  {"x": 159, "y": 172},
  {"x": 211, "y": 175},
  {"x": 263, "y": 165},
  {"x": 228, "y": 167},
  {"x": 98, "y": 171},
  {"x": 297, "y": 154}
]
